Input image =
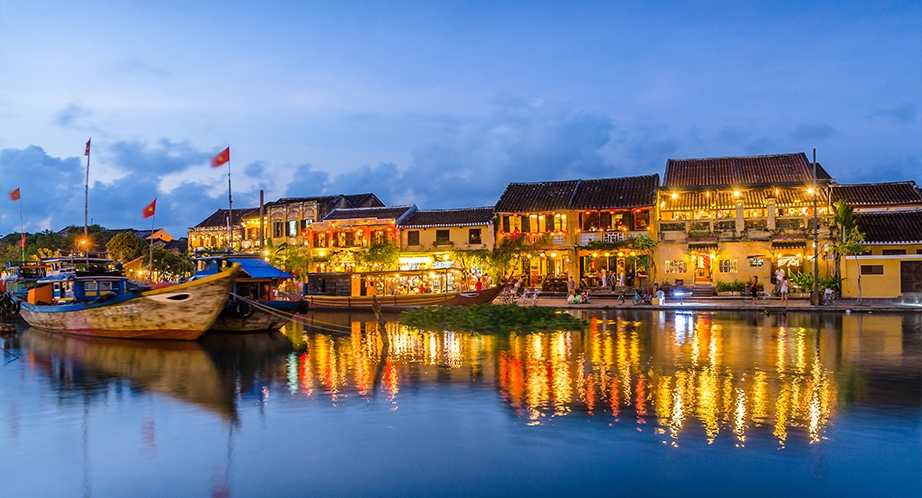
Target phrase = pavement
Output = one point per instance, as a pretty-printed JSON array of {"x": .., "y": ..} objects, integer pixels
[{"x": 737, "y": 304}]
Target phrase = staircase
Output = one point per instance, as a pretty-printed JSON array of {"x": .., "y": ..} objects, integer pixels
[{"x": 703, "y": 290}]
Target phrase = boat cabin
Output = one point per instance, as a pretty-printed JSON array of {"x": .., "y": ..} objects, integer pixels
[{"x": 257, "y": 278}]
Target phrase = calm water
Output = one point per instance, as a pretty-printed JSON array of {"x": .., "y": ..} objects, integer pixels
[{"x": 640, "y": 403}]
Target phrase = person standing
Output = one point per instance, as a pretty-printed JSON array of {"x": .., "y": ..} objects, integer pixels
[
  {"x": 784, "y": 290},
  {"x": 571, "y": 286},
  {"x": 754, "y": 284},
  {"x": 779, "y": 274}
]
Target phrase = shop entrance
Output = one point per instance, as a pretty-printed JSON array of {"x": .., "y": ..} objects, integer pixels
[{"x": 703, "y": 268}]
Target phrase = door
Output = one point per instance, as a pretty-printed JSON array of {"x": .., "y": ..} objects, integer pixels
[{"x": 910, "y": 276}]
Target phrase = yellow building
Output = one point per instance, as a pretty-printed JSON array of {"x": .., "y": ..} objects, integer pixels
[
  {"x": 289, "y": 219},
  {"x": 447, "y": 239},
  {"x": 559, "y": 222},
  {"x": 214, "y": 231},
  {"x": 728, "y": 219},
  {"x": 338, "y": 240}
]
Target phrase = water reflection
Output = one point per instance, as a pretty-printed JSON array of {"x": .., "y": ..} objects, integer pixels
[{"x": 711, "y": 376}]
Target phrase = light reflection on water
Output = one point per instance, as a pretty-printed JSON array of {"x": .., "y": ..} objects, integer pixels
[{"x": 741, "y": 382}]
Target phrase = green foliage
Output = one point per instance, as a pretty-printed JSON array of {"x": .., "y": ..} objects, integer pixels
[
  {"x": 293, "y": 259},
  {"x": 804, "y": 280},
  {"x": 126, "y": 246},
  {"x": 380, "y": 256},
  {"x": 833, "y": 282},
  {"x": 472, "y": 258},
  {"x": 171, "y": 266},
  {"x": 734, "y": 286},
  {"x": 489, "y": 318}
]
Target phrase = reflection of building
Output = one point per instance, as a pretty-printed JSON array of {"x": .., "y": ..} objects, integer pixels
[
  {"x": 555, "y": 221},
  {"x": 727, "y": 219},
  {"x": 890, "y": 215}
]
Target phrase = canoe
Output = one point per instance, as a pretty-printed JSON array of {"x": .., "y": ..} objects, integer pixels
[
  {"x": 182, "y": 312},
  {"x": 402, "y": 302}
]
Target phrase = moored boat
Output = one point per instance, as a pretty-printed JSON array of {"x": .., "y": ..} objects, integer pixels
[
  {"x": 101, "y": 304},
  {"x": 254, "y": 304},
  {"x": 18, "y": 278},
  {"x": 402, "y": 301}
]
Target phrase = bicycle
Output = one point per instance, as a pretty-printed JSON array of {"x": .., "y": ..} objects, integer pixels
[
  {"x": 621, "y": 296},
  {"x": 830, "y": 296},
  {"x": 761, "y": 296}
]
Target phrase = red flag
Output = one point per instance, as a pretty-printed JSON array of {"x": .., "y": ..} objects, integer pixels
[
  {"x": 87, "y": 153},
  {"x": 22, "y": 243},
  {"x": 221, "y": 159},
  {"x": 149, "y": 210},
  {"x": 14, "y": 195}
]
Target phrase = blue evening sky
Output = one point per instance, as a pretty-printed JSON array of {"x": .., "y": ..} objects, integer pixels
[{"x": 435, "y": 103}]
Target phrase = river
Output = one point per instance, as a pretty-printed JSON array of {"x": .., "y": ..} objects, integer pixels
[{"x": 639, "y": 403}]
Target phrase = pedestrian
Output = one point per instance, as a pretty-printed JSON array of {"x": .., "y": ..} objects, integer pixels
[
  {"x": 571, "y": 286},
  {"x": 621, "y": 279},
  {"x": 604, "y": 279},
  {"x": 779, "y": 274},
  {"x": 784, "y": 290},
  {"x": 754, "y": 284},
  {"x": 479, "y": 285}
]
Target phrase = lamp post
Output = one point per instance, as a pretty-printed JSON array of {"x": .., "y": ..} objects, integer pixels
[{"x": 816, "y": 233}]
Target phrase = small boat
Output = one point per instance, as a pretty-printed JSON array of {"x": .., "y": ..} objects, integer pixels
[
  {"x": 403, "y": 301},
  {"x": 102, "y": 303},
  {"x": 18, "y": 278},
  {"x": 254, "y": 303}
]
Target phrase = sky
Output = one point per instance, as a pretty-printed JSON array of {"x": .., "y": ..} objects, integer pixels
[{"x": 440, "y": 104}]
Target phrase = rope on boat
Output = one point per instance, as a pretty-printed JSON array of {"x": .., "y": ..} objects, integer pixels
[{"x": 290, "y": 316}]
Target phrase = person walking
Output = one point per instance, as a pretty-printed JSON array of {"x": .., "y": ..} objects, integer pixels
[{"x": 784, "y": 290}]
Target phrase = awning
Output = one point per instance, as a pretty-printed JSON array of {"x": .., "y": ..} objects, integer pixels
[
  {"x": 259, "y": 268},
  {"x": 789, "y": 244},
  {"x": 703, "y": 247}
]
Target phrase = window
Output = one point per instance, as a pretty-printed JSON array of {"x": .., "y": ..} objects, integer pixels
[
  {"x": 473, "y": 236},
  {"x": 590, "y": 221},
  {"x": 676, "y": 266},
  {"x": 560, "y": 223},
  {"x": 728, "y": 266},
  {"x": 350, "y": 239},
  {"x": 526, "y": 223},
  {"x": 276, "y": 228},
  {"x": 442, "y": 237},
  {"x": 292, "y": 228},
  {"x": 306, "y": 222},
  {"x": 105, "y": 286},
  {"x": 893, "y": 252},
  {"x": 91, "y": 286},
  {"x": 872, "y": 269},
  {"x": 757, "y": 262},
  {"x": 642, "y": 220},
  {"x": 413, "y": 238}
]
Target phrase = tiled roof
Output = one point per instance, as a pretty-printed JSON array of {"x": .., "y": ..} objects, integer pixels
[
  {"x": 219, "y": 218},
  {"x": 891, "y": 227},
  {"x": 691, "y": 201},
  {"x": 611, "y": 193},
  {"x": 603, "y": 193},
  {"x": 349, "y": 200},
  {"x": 356, "y": 200},
  {"x": 778, "y": 169},
  {"x": 319, "y": 199},
  {"x": 378, "y": 213},
  {"x": 426, "y": 218},
  {"x": 541, "y": 196},
  {"x": 878, "y": 194}
]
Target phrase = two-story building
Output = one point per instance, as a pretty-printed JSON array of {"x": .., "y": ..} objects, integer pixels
[
  {"x": 890, "y": 215},
  {"x": 342, "y": 236},
  {"x": 555, "y": 222},
  {"x": 289, "y": 218},
  {"x": 727, "y": 219},
  {"x": 440, "y": 239},
  {"x": 212, "y": 233}
]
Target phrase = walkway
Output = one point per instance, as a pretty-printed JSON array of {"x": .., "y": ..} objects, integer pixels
[{"x": 736, "y": 303}]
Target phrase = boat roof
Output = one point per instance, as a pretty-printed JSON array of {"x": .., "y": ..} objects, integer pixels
[{"x": 253, "y": 266}]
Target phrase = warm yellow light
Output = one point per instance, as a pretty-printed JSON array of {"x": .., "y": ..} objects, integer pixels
[
  {"x": 675, "y": 195},
  {"x": 736, "y": 193},
  {"x": 620, "y": 254},
  {"x": 595, "y": 255},
  {"x": 662, "y": 204},
  {"x": 553, "y": 254},
  {"x": 633, "y": 253},
  {"x": 607, "y": 255},
  {"x": 810, "y": 190}
]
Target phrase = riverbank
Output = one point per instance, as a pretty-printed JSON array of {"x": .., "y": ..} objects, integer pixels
[{"x": 737, "y": 304}]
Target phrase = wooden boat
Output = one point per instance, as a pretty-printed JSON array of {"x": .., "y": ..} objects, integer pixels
[
  {"x": 254, "y": 304},
  {"x": 404, "y": 301},
  {"x": 18, "y": 278},
  {"x": 101, "y": 304}
]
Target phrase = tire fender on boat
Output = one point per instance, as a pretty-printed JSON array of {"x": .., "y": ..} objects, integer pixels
[
  {"x": 303, "y": 307},
  {"x": 243, "y": 309}
]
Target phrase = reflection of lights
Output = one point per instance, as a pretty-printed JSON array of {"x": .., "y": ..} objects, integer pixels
[{"x": 739, "y": 415}]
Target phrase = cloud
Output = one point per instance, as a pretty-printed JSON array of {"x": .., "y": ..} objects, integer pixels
[
  {"x": 308, "y": 182},
  {"x": 815, "y": 131},
  {"x": 51, "y": 189},
  {"x": 904, "y": 113},
  {"x": 71, "y": 115}
]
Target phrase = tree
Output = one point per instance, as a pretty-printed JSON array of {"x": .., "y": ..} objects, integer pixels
[
  {"x": 293, "y": 259},
  {"x": 471, "y": 258},
  {"x": 126, "y": 246},
  {"x": 506, "y": 256},
  {"x": 645, "y": 245},
  {"x": 170, "y": 266},
  {"x": 380, "y": 256},
  {"x": 853, "y": 243},
  {"x": 845, "y": 220}
]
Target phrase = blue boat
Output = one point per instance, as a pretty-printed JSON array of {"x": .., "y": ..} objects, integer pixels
[{"x": 255, "y": 303}]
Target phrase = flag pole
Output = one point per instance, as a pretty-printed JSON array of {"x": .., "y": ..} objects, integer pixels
[
  {"x": 22, "y": 233},
  {"x": 230, "y": 208},
  {"x": 150, "y": 243},
  {"x": 86, "y": 206}
]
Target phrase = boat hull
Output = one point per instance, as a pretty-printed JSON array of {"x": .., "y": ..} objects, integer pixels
[
  {"x": 180, "y": 312},
  {"x": 258, "y": 316},
  {"x": 402, "y": 302}
]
